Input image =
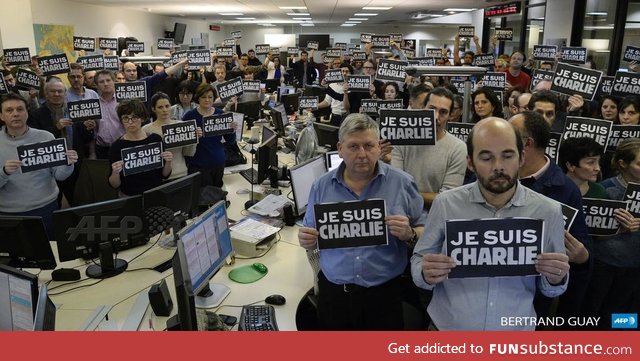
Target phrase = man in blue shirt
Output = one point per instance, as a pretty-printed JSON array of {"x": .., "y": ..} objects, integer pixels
[
  {"x": 360, "y": 287},
  {"x": 494, "y": 153}
]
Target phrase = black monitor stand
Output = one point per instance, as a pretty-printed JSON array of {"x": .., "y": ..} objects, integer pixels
[{"x": 109, "y": 266}]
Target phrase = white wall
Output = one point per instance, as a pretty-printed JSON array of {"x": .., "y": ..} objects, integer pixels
[
  {"x": 558, "y": 20},
  {"x": 16, "y": 25}
]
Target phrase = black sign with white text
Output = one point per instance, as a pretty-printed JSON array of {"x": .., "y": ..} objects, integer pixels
[
  {"x": 164, "y": 43},
  {"x": 292, "y": 50},
  {"x": 571, "y": 79},
  {"x": 632, "y": 197},
  {"x": 390, "y": 104},
  {"x": 310, "y": 102},
  {"x": 433, "y": 53},
  {"x": 229, "y": 89},
  {"x": 236, "y": 34},
  {"x": 486, "y": 60},
  {"x": 179, "y": 134},
  {"x": 369, "y": 107},
  {"x": 568, "y": 215},
  {"x": 218, "y": 124},
  {"x": 333, "y": 53},
  {"x": 341, "y": 46},
  {"x": 111, "y": 62},
  {"x": 494, "y": 247},
  {"x": 596, "y": 129},
  {"x": 54, "y": 64},
  {"x": 4, "y": 89},
  {"x": 312, "y": 45},
  {"x": 333, "y": 76},
  {"x": 200, "y": 57},
  {"x": 229, "y": 42},
  {"x": 422, "y": 61},
  {"x": 359, "y": 55},
  {"x": 605, "y": 87},
  {"x": 26, "y": 79},
  {"x": 142, "y": 158},
  {"x": 91, "y": 62},
  {"x": 359, "y": 83},
  {"x": 380, "y": 41},
  {"x": 554, "y": 145},
  {"x": 466, "y": 31},
  {"x": 262, "y": 48},
  {"x": 396, "y": 37},
  {"x": 495, "y": 81},
  {"x": 504, "y": 34},
  {"x": 17, "y": 56},
  {"x": 51, "y": 153},
  {"x": 351, "y": 224},
  {"x": 408, "y": 127},
  {"x": 84, "y": 43},
  {"x": 391, "y": 70},
  {"x": 631, "y": 53},
  {"x": 626, "y": 83},
  {"x": 545, "y": 52},
  {"x": 178, "y": 56},
  {"x": 573, "y": 55},
  {"x": 84, "y": 109},
  {"x": 108, "y": 43},
  {"x": 251, "y": 86},
  {"x": 599, "y": 216},
  {"x": 365, "y": 37},
  {"x": 131, "y": 90},
  {"x": 538, "y": 76},
  {"x": 460, "y": 130},
  {"x": 135, "y": 46},
  {"x": 224, "y": 52},
  {"x": 621, "y": 132}
]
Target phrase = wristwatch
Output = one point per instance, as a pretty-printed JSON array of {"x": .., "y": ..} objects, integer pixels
[{"x": 414, "y": 238}]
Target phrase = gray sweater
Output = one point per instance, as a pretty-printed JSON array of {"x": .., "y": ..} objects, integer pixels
[{"x": 21, "y": 192}]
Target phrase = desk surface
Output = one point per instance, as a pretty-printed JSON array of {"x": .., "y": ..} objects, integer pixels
[{"x": 289, "y": 275}]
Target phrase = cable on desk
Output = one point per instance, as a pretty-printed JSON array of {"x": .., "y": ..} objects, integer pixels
[
  {"x": 69, "y": 283},
  {"x": 248, "y": 304},
  {"x": 148, "y": 248},
  {"x": 74, "y": 288}
]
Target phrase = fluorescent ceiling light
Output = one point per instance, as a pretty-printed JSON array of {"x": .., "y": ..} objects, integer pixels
[
  {"x": 352, "y": 22},
  {"x": 458, "y": 9},
  {"x": 293, "y": 7},
  {"x": 598, "y": 13},
  {"x": 245, "y": 18},
  {"x": 436, "y": 15},
  {"x": 365, "y": 14},
  {"x": 266, "y": 24},
  {"x": 348, "y": 24},
  {"x": 358, "y": 19},
  {"x": 376, "y": 8},
  {"x": 301, "y": 18},
  {"x": 231, "y": 14},
  {"x": 298, "y": 14},
  {"x": 307, "y": 24}
]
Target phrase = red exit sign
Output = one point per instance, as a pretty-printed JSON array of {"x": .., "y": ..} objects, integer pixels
[
  {"x": 214, "y": 27},
  {"x": 502, "y": 10}
]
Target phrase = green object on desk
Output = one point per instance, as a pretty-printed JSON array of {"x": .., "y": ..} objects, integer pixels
[{"x": 249, "y": 273}]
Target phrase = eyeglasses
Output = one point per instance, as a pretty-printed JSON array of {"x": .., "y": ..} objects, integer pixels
[
  {"x": 367, "y": 67},
  {"x": 130, "y": 118}
]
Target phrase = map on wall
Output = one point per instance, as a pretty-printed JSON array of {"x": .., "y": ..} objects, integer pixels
[{"x": 54, "y": 39}]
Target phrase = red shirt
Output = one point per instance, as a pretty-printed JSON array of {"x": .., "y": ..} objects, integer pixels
[{"x": 522, "y": 79}]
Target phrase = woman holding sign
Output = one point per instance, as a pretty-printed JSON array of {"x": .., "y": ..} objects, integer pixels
[
  {"x": 137, "y": 158},
  {"x": 209, "y": 157},
  {"x": 485, "y": 104},
  {"x": 629, "y": 110},
  {"x": 161, "y": 107}
]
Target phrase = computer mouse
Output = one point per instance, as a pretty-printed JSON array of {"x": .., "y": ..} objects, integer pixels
[
  {"x": 277, "y": 300},
  {"x": 260, "y": 267}
]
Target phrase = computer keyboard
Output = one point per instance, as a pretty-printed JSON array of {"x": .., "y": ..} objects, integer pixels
[
  {"x": 251, "y": 175},
  {"x": 258, "y": 318}
]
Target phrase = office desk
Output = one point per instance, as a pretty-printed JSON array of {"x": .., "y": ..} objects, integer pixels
[{"x": 289, "y": 275}]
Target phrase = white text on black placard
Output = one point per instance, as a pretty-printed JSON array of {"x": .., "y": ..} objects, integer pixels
[
  {"x": 224, "y": 52},
  {"x": 164, "y": 43},
  {"x": 422, "y": 61},
  {"x": 554, "y": 143},
  {"x": 433, "y": 53},
  {"x": 91, "y": 62},
  {"x": 251, "y": 86},
  {"x": 486, "y": 60},
  {"x": 341, "y": 46},
  {"x": 333, "y": 76},
  {"x": 621, "y": 132},
  {"x": 545, "y": 52},
  {"x": 625, "y": 84},
  {"x": 310, "y": 102},
  {"x": 229, "y": 42},
  {"x": 494, "y": 80},
  {"x": 369, "y": 107},
  {"x": 199, "y": 57},
  {"x": 54, "y": 64},
  {"x": 84, "y": 43},
  {"x": 568, "y": 215},
  {"x": 390, "y": 104},
  {"x": 396, "y": 37},
  {"x": 466, "y": 31},
  {"x": 460, "y": 130},
  {"x": 333, "y": 53},
  {"x": 596, "y": 129},
  {"x": 359, "y": 55},
  {"x": 291, "y": 50},
  {"x": 263, "y": 48},
  {"x": 179, "y": 134},
  {"x": 178, "y": 56},
  {"x": 494, "y": 247},
  {"x": 142, "y": 158},
  {"x": 135, "y": 46},
  {"x": 217, "y": 125},
  {"x": 26, "y": 79},
  {"x": 84, "y": 109},
  {"x": 108, "y": 43},
  {"x": 236, "y": 34},
  {"x": 312, "y": 45},
  {"x": 111, "y": 62},
  {"x": 17, "y": 56},
  {"x": 606, "y": 86},
  {"x": 359, "y": 83},
  {"x": 4, "y": 89},
  {"x": 504, "y": 34},
  {"x": 43, "y": 155},
  {"x": 408, "y": 127},
  {"x": 631, "y": 53},
  {"x": 391, "y": 70},
  {"x": 131, "y": 90},
  {"x": 571, "y": 79},
  {"x": 351, "y": 224},
  {"x": 599, "y": 215},
  {"x": 538, "y": 76},
  {"x": 380, "y": 41},
  {"x": 229, "y": 89},
  {"x": 632, "y": 197},
  {"x": 365, "y": 37},
  {"x": 573, "y": 55}
]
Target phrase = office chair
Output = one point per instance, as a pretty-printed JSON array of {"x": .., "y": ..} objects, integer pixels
[{"x": 93, "y": 182}]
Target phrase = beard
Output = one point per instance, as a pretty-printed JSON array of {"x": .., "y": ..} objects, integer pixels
[{"x": 492, "y": 186}]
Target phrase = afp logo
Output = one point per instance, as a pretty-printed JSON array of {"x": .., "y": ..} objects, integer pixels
[{"x": 624, "y": 320}]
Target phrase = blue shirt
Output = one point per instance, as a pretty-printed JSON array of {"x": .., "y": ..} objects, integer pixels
[
  {"x": 210, "y": 150},
  {"x": 372, "y": 265},
  {"x": 479, "y": 303}
]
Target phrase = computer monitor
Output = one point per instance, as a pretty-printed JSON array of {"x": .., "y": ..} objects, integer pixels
[
  {"x": 332, "y": 159},
  {"x": 327, "y": 135},
  {"x": 45, "y": 315},
  {"x": 271, "y": 85},
  {"x": 291, "y": 103},
  {"x": 278, "y": 116},
  {"x": 250, "y": 109},
  {"x": 186, "y": 318},
  {"x": 97, "y": 229},
  {"x": 24, "y": 243},
  {"x": 179, "y": 30},
  {"x": 284, "y": 90},
  {"x": 181, "y": 195},
  {"x": 267, "y": 156},
  {"x": 18, "y": 299},
  {"x": 302, "y": 177},
  {"x": 206, "y": 244}
]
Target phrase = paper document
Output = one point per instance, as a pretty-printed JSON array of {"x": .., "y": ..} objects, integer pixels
[
  {"x": 253, "y": 228},
  {"x": 269, "y": 206}
]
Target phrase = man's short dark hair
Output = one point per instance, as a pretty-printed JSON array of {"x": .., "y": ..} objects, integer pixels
[
  {"x": 572, "y": 150},
  {"x": 76, "y": 66},
  {"x": 105, "y": 72},
  {"x": 348, "y": 66},
  {"x": 519, "y": 143},
  {"x": 304, "y": 52},
  {"x": 13, "y": 96},
  {"x": 537, "y": 128},
  {"x": 441, "y": 92},
  {"x": 418, "y": 90},
  {"x": 524, "y": 57},
  {"x": 545, "y": 96}
]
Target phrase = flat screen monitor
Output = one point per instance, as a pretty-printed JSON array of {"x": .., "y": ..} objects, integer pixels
[
  {"x": 327, "y": 135},
  {"x": 45, "y": 315},
  {"x": 238, "y": 120},
  {"x": 18, "y": 299},
  {"x": 278, "y": 117},
  {"x": 333, "y": 160},
  {"x": 98, "y": 229},
  {"x": 250, "y": 109},
  {"x": 179, "y": 29},
  {"x": 206, "y": 244},
  {"x": 186, "y": 318},
  {"x": 291, "y": 102},
  {"x": 284, "y": 90},
  {"x": 271, "y": 85},
  {"x": 24, "y": 243},
  {"x": 323, "y": 40},
  {"x": 267, "y": 156},
  {"x": 181, "y": 195},
  {"x": 302, "y": 177}
]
